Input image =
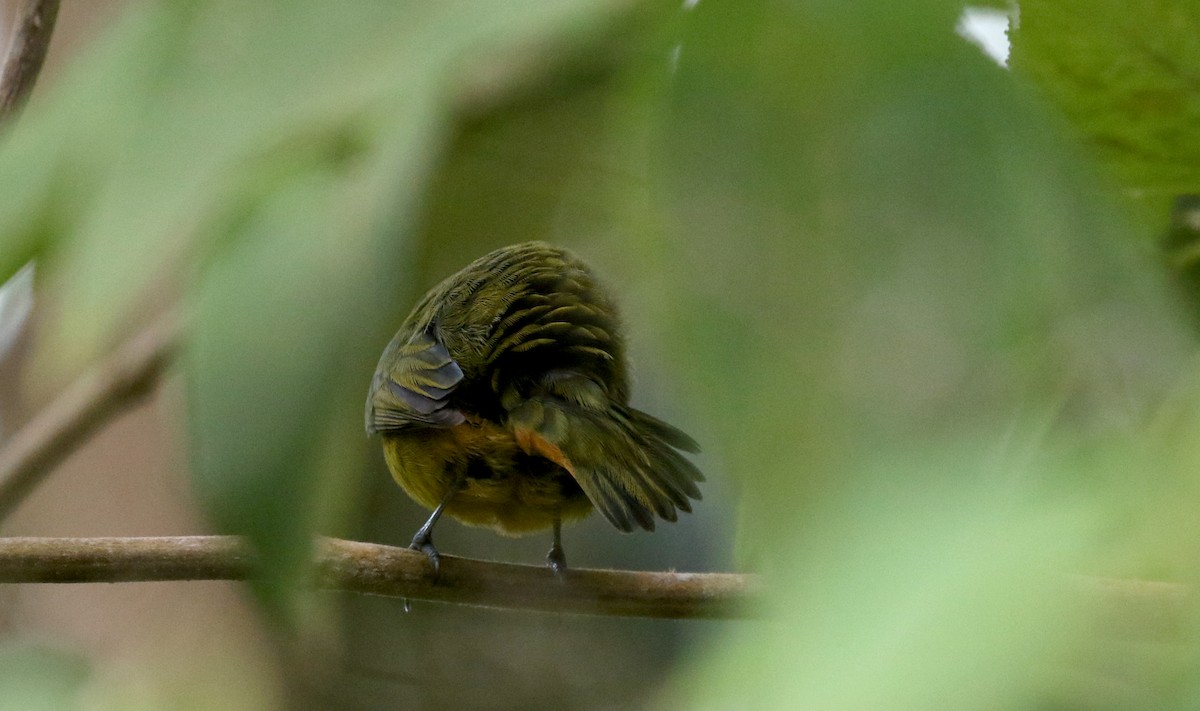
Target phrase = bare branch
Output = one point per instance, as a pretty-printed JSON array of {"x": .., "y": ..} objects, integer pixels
[
  {"x": 384, "y": 570},
  {"x": 30, "y": 40},
  {"x": 86, "y": 405},
  {"x": 400, "y": 572}
]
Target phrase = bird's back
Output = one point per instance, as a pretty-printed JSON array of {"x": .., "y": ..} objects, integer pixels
[{"x": 512, "y": 317}]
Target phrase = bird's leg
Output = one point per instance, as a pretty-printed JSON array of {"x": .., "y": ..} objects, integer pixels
[
  {"x": 423, "y": 540},
  {"x": 556, "y": 558}
]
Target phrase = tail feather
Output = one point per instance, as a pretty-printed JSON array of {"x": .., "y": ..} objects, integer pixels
[
  {"x": 624, "y": 460},
  {"x": 670, "y": 434}
]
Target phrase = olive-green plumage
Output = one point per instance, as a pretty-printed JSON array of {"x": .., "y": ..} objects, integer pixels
[{"x": 504, "y": 398}]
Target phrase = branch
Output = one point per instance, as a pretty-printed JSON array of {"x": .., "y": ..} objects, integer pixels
[
  {"x": 375, "y": 569},
  {"x": 30, "y": 40},
  {"x": 89, "y": 402}
]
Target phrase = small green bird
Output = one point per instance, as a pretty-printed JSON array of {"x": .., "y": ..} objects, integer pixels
[{"x": 503, "y": 402}]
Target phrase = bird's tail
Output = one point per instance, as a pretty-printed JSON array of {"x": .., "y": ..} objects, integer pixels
[{"x": 625, "y": 460}]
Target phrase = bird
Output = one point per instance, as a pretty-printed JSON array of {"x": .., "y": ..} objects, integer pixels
[{"x": 503, "y": 402}]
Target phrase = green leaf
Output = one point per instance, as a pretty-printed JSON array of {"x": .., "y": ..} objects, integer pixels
[
  {"x": 1126, "y": 74},
  {"x": 294, "y": 296},
  {"x": 57, "y": 155}
]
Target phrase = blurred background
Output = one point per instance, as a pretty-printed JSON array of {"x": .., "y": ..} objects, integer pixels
[{"x": 927, "y": 305}]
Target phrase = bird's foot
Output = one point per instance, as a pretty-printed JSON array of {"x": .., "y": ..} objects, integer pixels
[
  {"x": 556, "y": 559},
  {"x": 423, "y": 542}
]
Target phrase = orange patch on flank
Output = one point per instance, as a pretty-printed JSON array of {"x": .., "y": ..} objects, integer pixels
[{"x": 533, "y": 443}]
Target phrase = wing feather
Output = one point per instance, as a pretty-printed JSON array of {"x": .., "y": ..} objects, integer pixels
[{"x": 413, "y": 385}]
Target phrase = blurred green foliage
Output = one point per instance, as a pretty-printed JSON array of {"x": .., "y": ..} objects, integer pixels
[
  {"x": 35, "y": 678},
  {"x": 898, "y": 296},
  {"x": 940, "y": 337}
]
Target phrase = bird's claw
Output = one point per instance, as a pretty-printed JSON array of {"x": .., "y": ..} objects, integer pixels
[
  {"x": 556, "y": 559},
  {"x": 424, "y": 544}
]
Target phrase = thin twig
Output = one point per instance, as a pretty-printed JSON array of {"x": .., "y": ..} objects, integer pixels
[
  {"x": 375, "y": 569},
  {"x": 87, "y": 404},
  {"x": 26, "y": 52}
]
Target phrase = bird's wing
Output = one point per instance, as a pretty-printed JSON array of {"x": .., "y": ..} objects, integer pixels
[
  {"x": 624, "y": 460},
  {"x": 412, "y": 386}
]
